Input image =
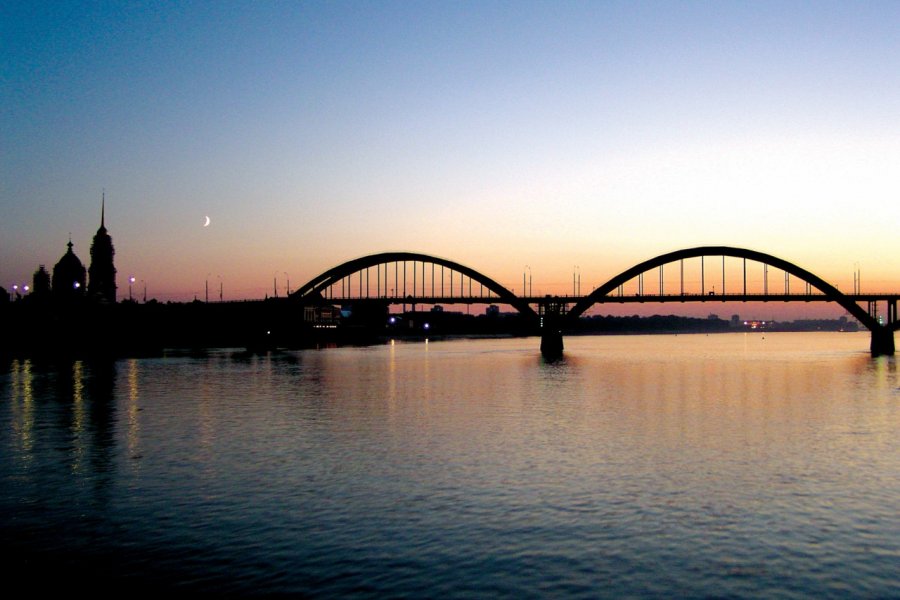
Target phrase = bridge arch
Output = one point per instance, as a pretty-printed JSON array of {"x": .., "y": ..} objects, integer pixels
[
  {"x": 321, "y": 282},
  {"x": 831, "y": 292}
]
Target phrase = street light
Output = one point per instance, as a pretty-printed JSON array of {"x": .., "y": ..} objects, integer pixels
[
  {"x": 526, "y": 289},
  {"x": 288, "y": 282},
  {"x": 130, "y": 283}
]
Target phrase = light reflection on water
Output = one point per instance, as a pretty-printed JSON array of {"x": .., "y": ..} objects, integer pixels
[{"x": 646, "y": 465}]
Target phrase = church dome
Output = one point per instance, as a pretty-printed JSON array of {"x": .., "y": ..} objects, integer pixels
[{"x": 69, "y": 275}]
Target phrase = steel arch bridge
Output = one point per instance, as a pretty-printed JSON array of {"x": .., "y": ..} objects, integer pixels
[
  {"x": 413, "y": 279},
  {"x": 831, "y": 293},
  {"x": 421, "y": 278}
]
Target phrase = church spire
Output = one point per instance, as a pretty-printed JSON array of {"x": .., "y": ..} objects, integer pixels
[{"x": 102, "y": 272}]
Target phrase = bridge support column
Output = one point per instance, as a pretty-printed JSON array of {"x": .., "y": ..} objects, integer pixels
[
  {"x": 882, "y": 341},
  {"x": 551, "y": 313},
  {"x": 551, "y": 343}
]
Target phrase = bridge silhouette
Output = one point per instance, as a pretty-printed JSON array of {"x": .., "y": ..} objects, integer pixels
[{"x": 409, "y": 278}]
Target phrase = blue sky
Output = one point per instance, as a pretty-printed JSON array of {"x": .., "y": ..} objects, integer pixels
[{"x": 496, "y": 134}]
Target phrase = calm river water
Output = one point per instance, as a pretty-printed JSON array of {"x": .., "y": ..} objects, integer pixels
[{"x": 691, "y": 465}]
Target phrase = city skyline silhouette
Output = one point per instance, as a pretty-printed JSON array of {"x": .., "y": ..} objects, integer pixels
[{"x": 70, "y": 279}]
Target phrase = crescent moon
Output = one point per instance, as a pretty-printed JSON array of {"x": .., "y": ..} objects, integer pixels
[{"x": 207, "y": 221}]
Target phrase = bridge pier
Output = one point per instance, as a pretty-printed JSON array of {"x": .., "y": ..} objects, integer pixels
[
  {"x": 882, "y": 341},
  {"x": 551, "y": 312},
  {"x": 551, "y": 343}
]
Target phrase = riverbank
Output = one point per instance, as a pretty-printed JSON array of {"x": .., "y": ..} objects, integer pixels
[{"x": 133, "y": 329}]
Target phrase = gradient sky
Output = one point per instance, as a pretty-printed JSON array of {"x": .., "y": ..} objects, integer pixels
[{"x": 495, "y": 134}]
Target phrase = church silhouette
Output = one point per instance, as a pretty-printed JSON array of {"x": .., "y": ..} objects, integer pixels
[{"x": 71, "y": 282}]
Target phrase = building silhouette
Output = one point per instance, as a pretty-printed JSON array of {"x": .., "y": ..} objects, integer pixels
[
  {"x": 102, "y": 272},
  {"x": 68, "y": 276},
  {"x": 40, "y": 283}
]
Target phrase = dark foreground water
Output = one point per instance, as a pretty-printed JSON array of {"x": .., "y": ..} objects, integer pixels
[{"x": 727, "y": 465}]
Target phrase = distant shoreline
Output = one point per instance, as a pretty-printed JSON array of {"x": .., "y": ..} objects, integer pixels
[{"x": 129, "y": 329}]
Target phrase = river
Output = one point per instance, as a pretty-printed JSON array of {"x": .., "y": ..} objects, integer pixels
[{"x": 732, "y": 465}]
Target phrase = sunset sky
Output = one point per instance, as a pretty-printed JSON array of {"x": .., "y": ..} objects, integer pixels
[{"x": 495, "y": 134}]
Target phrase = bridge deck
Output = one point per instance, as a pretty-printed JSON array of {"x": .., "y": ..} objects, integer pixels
[{"x": 629, "y": 298}]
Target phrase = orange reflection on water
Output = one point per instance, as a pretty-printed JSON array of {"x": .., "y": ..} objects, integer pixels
[
  {"x": 79, "y": 441},
  {"x": 22, "y": 401},
  {"x": 134, "y": 424}
]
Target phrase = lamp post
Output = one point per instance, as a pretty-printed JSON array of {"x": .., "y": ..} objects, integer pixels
[
  {"x": 288, "y": 282},
  {"x": 144, "y": 282},
  {"x": 130, "y": 283},
  {"x": 527, "y": 289}
]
